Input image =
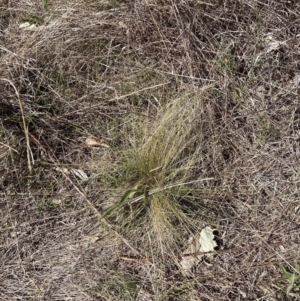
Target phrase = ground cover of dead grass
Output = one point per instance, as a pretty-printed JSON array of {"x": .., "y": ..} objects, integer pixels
[{"x": 113, "y": 70}]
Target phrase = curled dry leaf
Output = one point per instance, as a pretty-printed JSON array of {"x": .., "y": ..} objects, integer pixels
[
  {"x": 92, "y": 239},
  {"x": 56, "y": 202},
  {"x": 27, "y": 26},
  {"x": 122, "y": 25},
  {"x": 272, "y": 44},
  {"x": 207, "y": 243},
  {"x": 93, "y": 142},
  {"x": 79, "y": 173},
  {"x": 200, "y": 243}
]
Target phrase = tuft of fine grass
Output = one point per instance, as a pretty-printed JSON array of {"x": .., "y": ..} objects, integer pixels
[{"x": 155, "y": 169}]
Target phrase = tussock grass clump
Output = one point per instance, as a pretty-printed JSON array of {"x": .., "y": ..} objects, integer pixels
[{"x": 156, "y": 169}]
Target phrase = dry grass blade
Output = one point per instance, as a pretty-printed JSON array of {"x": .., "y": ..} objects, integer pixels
[
  {"x": 89, "y": 203},
  {"x": 25, "y": 129}
]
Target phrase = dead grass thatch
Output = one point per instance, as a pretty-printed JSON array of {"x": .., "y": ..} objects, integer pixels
[{"x": 115, "y": 70}]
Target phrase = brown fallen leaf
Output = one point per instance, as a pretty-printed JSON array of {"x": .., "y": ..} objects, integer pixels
[{"x": 93, "y": 142}]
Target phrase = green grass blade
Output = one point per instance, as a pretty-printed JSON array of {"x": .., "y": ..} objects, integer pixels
[{"x": 123, "y": 200}]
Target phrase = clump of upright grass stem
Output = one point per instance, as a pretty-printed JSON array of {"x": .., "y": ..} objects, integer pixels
[{"x": 156, "y": 167}]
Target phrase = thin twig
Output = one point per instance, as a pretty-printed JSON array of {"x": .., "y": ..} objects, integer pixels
[
  {"x": 118, "y": 98},
  {"x": 9, "y": 147}
]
